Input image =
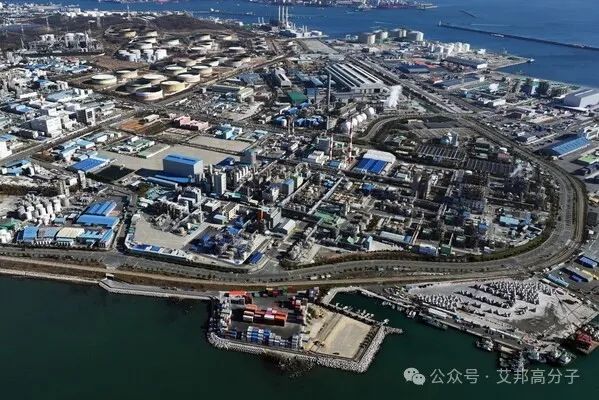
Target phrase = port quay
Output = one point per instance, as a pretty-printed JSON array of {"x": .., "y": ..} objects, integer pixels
[{"x": 358, "y": 363}]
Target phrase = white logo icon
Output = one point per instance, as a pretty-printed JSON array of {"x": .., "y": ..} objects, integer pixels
[{"x": 412, "y": 375}]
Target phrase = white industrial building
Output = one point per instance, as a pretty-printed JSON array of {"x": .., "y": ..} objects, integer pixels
[
  {"x": 4, "y": 151},
  {"x": 281, "y": 78},
  {"x": 51, "y": 126},
  {"x": 468, "y": 62},
  {"x": 356, "y": 79},
  {"x": 582, "y": 98}
]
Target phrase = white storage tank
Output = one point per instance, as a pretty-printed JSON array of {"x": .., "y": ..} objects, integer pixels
[
  {"x": 174, "y": 70},
  {"x": 154, "y": 79},
  {"x": 170, "y": 87},
  {"x": 143, "y": 46},
  {"x": 150, "y": 93},
  {"x": 172, "y": 42},
  {"x": 186, "y": 62},
  {"x": 104, "y": 79},
  {"x": 203, "y": 70},
  {"x": 160, "y": 54},
  {"x": 126, "y": 74},
  {"x": 189, "y": 77}
]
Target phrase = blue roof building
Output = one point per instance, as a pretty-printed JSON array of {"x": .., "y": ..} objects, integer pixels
[
  {"x": 568, "y": 146},
  {"x": 182, "y": 166},
  {"x": 97, "y": 220},
  {"x": 90, "y": 164},
  {"x": 101, "y": 208}
]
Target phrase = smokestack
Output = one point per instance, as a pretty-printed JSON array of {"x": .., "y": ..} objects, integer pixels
[
  {"x": 279, "y": 17},
  {"x": 331, "y": 142},
  {"x": 329, "y": 93},
  {"x": 351, "y": 137}
]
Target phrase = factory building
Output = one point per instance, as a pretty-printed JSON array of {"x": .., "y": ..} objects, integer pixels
[
  {"x": 582, "y": 98},
  {"x": 280, "y": 78},
  {"x": 4, "y": 151},
  {"x": 468, "y": 62},
  {"x": 356, "y": 79},
  {"x": 51, "y": 126},
  {"x": 375, "y": 162},
  {"x": 568, "y": 146},
  {"x": 219, "y": 183},
  {"x": 182, "y": 166}
]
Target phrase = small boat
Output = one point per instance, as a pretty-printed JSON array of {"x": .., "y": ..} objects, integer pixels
[
  {"x": 485, "y": 343},
  {"x": 434, "y": 322}
]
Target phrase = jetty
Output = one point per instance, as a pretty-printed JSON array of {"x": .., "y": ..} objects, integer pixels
[{"x": 519, "y": 37}]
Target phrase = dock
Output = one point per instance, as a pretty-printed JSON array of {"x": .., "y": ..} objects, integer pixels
[{"x": 519, "y": 37}]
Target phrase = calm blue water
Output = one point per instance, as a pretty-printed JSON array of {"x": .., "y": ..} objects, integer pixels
[{"x": 573, "y": 21}]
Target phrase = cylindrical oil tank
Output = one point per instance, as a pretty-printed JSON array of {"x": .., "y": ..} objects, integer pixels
[
  {"x": 169, "y": 87},
  {"x": 126, "y": 74},
  {"x": 143, "y": 46},
  {"x": 203, "y": 70},
  {"x": 189, "y": 77},
  {"x": 149, "y": 93},
  {"x": 154, "y": 79},
  {"x": 212, "y": 62},
  {"x": 186, "y": 62},
  {"x": 174, "y": 70},
  {"x": 104, "y": 79},
  {"x": 172, "y": 42}
]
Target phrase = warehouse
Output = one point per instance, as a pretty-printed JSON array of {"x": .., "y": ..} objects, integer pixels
[
  {"x": 355, "y": 79},
  {"x": 97, "y": 220},
  {"x": 582, "y": 98},
  {"x": 468, "y": 62},
  {"x": 90, "y": 164},
  {"x": 101, "y": 208},
  {"x": 179, "y": 165},
  {"x": 568, "y": 146},
  {"x": 374, "y": 162}
]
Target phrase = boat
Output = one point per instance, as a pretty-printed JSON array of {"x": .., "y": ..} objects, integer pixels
[
  {"x": 531, "y": 60},
  {"x": 485, "y": 343},
  {"x": 534, "y": 355},
  {"x": 518, "y": 363},
  {"x": 434, "y": 322},
  {"x": 559, "y": 357},
  {"x": 565, "y": 359}
]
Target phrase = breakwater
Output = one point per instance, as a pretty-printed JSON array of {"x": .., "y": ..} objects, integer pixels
[
  {"x": 353, "y": 365},
  {"x": 519, "y": 37}
]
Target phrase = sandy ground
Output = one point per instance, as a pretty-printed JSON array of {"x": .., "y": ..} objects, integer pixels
[
  {"x": 146, "y": 233},
  {"x": 336, "y": 334},
  {"x": 226, "y": 145}
]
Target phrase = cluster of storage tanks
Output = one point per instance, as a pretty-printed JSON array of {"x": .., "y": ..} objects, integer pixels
[
  {"x": 449, "y": 49},
  {"x": 143, "y": 47},
  {"x": 120, "y": 76},
  {"x": 379, "y": 36},
  {"x": 40, "y": 209},
  {"x": 357, "y": 120}
]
